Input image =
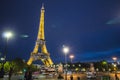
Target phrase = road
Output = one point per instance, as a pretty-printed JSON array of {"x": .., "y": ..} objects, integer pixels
[{"x": 75, "y": 75}]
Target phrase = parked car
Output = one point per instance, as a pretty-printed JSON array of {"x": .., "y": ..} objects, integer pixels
[{"x": 90, "y": 75}]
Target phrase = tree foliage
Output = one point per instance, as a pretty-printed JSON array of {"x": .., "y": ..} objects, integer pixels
[{"x": 18, "y": 65}]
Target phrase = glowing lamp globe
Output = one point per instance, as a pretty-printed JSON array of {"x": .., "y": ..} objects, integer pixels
[{"x": 7, "y": 35}]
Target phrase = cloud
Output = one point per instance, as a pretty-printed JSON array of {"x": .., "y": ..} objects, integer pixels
[
  {"x": 94, "y": 56},
  {"x": 114, "y": 21}
]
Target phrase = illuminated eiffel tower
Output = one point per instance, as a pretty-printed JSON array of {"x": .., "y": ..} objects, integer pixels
[{"x": 40, "y": 51}]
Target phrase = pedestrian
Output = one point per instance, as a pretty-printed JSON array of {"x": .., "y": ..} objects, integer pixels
[
  {"x": 78, "y": 78},
  {"x": 30, "y": 75},
  {"x": 60, "y": 76},
  {"x": 116, "y": 77},
  {"x": 26, "y": 75},
  {"x": 2, "y": 72},
  {"x": 71, "y": 77},
  {"x": 10, "y": 73}
]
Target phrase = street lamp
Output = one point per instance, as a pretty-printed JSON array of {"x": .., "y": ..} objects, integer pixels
[
  {"x": 71, "y": 57},
  {"x": 115, "y": 63},
  {"x": 65, "y": 50},
  {"x": 7, "y": 35},
  {"x": 114, "y": 59}
]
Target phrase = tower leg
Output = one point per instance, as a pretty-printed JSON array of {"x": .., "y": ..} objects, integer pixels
[{"x": 30, "y": 61}]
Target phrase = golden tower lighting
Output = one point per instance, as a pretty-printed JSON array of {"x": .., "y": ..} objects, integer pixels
[{"x": 40, "y": 51}]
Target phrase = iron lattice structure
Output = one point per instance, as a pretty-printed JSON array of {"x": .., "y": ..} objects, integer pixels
[{"x": 40, "y": 51}]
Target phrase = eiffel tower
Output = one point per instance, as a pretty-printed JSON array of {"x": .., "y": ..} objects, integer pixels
[{"x": 40, "y": 51}]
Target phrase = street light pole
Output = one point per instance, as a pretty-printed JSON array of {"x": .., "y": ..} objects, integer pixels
[
  {"x": 65, "y": 50},
  {"x": 65, "y": 66},
  {"x": 7, "y": 35},
  {"x": 71, "y": 58},
  {"x": 115, "y": 63},
  {"x": 114, "y": 59}
]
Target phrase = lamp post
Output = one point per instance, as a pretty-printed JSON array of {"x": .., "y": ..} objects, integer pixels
[
  {"x": 115, "y": 63},
  {"x": 65, "y": 50},
  {"x": 7, "y": 35},
  {"x": 114, "y": 59},
  {"x": 71, "y": 58}
]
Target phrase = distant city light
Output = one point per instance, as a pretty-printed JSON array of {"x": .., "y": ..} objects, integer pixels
[
  {"x": 115, "y": 65},
  {"x": 2, "y": 59},
  {"x": 104, "y": 62},
  {"x": 79, "y": 65}
]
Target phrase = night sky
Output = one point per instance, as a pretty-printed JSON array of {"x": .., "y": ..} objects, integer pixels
[{"x": 90, "y": 28}]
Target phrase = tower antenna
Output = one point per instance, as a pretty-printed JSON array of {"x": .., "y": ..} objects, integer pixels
[{"x": 42, "y": 5}]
